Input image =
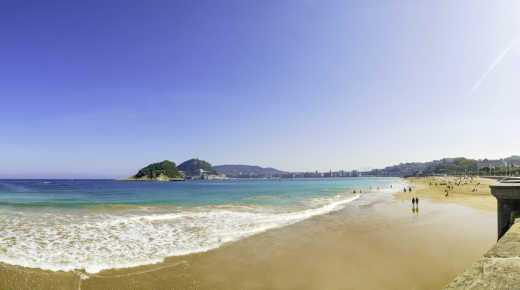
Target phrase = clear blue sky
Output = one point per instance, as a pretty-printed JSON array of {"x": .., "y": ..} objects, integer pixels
[{"x": 101, "y": 88}]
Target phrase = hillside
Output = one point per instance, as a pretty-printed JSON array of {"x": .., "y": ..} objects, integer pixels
[
  {"x": 194, "y": 166},
  {"x": 235, "y": 170},
  {"x": 160, "y": 171},
  {"x": 459, "y": 165}
]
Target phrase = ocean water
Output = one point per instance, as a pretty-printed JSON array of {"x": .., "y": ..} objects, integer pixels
[{"x": 93, "y": 225}]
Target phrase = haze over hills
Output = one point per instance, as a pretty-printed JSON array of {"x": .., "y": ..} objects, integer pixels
[{"x": 238, "y": 170}]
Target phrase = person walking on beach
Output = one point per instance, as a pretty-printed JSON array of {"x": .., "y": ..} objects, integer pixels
[{"x": 415, "y": 205}]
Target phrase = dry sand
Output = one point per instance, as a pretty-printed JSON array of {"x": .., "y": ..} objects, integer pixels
[
  {"x": 374, "y": 243},
  {"x": 472, "y": 192}
]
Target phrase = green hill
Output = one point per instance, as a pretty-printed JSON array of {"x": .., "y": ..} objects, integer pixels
[
  {"x": 193, "y": 167},
  {"x": 452, "y": 166},
  {"x": 165, "y": 170}
]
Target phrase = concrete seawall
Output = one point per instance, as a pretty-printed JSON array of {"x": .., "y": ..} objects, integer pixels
[{"x": 499, "y": 268}]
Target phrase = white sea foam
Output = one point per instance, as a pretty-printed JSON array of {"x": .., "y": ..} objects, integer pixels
[{"x": 98, "y": 240}]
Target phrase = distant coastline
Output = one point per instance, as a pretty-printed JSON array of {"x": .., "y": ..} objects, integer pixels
[{"x": 196, "y": 169}]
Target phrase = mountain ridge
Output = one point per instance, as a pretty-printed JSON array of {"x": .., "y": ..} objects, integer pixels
[{"x": 242, "y": 170}]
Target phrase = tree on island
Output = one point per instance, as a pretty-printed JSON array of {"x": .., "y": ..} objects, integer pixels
[{"x": 165, "y": 168}]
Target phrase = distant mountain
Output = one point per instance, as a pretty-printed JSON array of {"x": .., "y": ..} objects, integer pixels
[
  {"x": 160, "y": 171},
  {"x": 235, "y": 170},
  {"x": 196, "y": 167}
]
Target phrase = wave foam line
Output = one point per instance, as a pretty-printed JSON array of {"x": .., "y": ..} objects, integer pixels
[{"x": 96, "y": 242}]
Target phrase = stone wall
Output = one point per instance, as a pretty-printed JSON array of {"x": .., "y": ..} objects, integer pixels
[{"x": 499, "y": 268}]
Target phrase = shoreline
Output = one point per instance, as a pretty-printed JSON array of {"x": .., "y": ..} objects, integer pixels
[{"x": 374, "y": 242}]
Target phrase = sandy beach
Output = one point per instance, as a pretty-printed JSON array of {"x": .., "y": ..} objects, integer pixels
[
  {"x": 472, "y": 192},
  {"x": 375, "y": 243}
]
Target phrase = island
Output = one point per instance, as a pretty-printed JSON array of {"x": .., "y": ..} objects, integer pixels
[
  {"x": 168, "y": 171},
  {"x": 160, "y": 171}
]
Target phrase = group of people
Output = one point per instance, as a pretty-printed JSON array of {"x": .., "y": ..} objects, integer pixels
[{"x": 461, "y": 181}]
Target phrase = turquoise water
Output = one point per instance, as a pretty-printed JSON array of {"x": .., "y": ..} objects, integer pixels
[
  {"x": 81, "y": 193},
  {"x": 93, "y": 225}
]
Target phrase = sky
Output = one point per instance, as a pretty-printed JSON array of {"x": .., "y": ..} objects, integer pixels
[{"x": 99, "y": 89}]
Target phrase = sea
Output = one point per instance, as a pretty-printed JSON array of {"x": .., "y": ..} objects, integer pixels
[{"x": 94, "y": 225}]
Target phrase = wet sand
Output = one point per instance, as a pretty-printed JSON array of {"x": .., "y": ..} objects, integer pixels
[{"x": 374, "y": 243}]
